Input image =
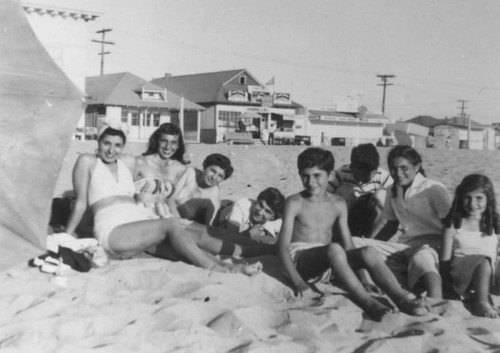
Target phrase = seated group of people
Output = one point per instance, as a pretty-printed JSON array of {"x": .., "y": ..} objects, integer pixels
[{"x": 155, "y": 203}]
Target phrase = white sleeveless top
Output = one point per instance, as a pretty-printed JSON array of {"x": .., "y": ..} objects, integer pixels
[{"x": 103, "y": 183}]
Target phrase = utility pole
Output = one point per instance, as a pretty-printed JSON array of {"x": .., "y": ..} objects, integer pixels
[
  {"x": 102, "y": 41},
  {"x": 384, "y": 84},
  {"x": 463, "y": 115}
]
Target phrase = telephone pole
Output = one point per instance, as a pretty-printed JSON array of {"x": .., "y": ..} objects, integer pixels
[
  {"x": 102, "y": 41},
  {"x": 384, "y": 84},
  {"x": 463, "y": 115}
]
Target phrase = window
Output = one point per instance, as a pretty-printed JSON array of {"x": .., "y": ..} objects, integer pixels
[
  {"x": 228, "y": 118},
  {"x": 124, "y": 115},
  {"x": 243, "y": 80},
  {"x": 147, "y": 121},
  {"x": 156, "y": 120},
  {"x": 135, "y": 119},
  {"x": 101, "y": 110}
]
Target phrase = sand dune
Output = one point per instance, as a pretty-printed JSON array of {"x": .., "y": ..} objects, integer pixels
[{"x": 152, "y": 305}]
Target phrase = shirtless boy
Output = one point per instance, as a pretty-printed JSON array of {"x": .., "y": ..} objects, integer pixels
[{"x": 315, "y": 226}]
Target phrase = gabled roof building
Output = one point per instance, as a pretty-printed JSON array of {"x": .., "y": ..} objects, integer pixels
[
  {"x": 139, "y": 103},
  {"x": 233, "y": 97}
]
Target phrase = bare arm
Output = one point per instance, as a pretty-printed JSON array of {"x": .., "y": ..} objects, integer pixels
[
  {"x": 446, "y": 244},
  {"x": 81, "y": 180},
  {"x": 213, "y": 206},
  {"x": 342, "y": 228},
  {"x": 291, "y": 210}
]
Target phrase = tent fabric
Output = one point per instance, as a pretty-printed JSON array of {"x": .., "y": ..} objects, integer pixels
[{"x": 39, "y": 108}]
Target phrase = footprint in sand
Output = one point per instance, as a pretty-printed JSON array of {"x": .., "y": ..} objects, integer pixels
[{"x": 484, "y": 336}]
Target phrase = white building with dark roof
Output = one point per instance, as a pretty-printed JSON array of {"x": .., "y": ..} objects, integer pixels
[
  {"x": 232, "y": 96},
  {"x": 141, "y": 104}
]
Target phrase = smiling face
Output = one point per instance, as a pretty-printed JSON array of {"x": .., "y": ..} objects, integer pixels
[
  {"x": 261, "y": 212},
  {"x": 474, "y": 203},
  {"x": 110, "y": 148},
  {"x": 402, "y": 171},
  {"x": 167, "y": 145},
  {"x": 213, "y": 175},
  {"x": 315, "y": 180}
]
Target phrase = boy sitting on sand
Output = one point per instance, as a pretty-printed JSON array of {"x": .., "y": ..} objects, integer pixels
[
  {"x": 363, "y": 184},
  {"x": 258, "y": 219},
  {"x": 314, "y": 225}
]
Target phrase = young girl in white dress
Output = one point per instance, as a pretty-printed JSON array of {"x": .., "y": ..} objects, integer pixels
[{"x": 469, "y": 242}]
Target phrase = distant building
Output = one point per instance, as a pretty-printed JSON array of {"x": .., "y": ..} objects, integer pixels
[
  {"x": 139, "y": 103},
  {"x": 345, "y": 128},
  {"x": 233, "y": 96},
  {"x": 454, "y": 132}
]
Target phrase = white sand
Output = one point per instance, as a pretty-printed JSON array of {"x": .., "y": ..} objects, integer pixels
[{"x": 153, "y": 305}]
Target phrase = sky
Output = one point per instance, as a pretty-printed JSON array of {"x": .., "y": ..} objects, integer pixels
[{"x": 440, "y": 52}]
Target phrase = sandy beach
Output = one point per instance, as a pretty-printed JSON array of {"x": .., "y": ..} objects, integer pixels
[{"x": 152, "y": 305}]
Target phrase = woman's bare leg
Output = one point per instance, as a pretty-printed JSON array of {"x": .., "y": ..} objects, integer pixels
[{"x": 136, "y": 237}]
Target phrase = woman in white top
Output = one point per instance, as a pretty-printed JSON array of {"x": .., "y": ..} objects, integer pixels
[{"x": 104, "y": 182}]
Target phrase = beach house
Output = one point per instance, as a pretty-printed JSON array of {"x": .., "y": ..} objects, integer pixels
[
  {"x": 139, "y": 103},
  {"x": 235, "y": 100}
]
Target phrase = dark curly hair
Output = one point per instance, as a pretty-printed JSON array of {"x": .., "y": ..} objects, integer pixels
[
  {"x": 407, "y": 152},
  {"x": 167, "y": 129},
  {"x": 221, "y": 161},
  {"x": 274, "y": 199},
  {"x": 489, "y": 222},
  {"x": 365, "y": 157},
  {"x": 316, "y": 157},
  {"x": 109, "y": 131}
]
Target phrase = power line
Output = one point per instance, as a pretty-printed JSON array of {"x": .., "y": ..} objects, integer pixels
[
  {"x": 102, "y": 41},
  {"x": 384, "y": 84}
]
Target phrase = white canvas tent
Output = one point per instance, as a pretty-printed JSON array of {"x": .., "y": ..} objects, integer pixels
[{"x": 39, "y": 109}]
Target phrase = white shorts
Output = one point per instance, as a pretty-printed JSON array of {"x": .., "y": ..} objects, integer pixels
[{"x": 111, "y": 217}]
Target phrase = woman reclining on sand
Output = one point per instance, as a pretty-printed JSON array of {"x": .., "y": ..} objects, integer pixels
[{"x": 104, "y": 181}]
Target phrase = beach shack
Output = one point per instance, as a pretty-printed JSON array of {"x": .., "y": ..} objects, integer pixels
[
  {"x": 139, "y": 103},
  {"x": 235, "y": 101},
  {"x": 328, "y": 126},
  {"x": 456, "y": 132}
]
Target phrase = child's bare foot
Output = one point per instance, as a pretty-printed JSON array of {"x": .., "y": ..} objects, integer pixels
[
  {"x": 376, "y": 310},
  {"x": 484, "y": 309},
  {"x": 246, "y": 269},
  {"x": 415, "y": 307}
]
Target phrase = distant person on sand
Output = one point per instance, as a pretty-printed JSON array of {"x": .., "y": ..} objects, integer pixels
[
  {"x": 469, "y": 243},
  {"x": 363, "y": 184},
  {"x": 315, "y": 240},
  {"x": 104, "y": 182},
  {"x": 415, "y": 207},
  {"x": 197, "y": 194},
  {"x": 258, "y": 219},
  {"x": 264, "y": 135}
]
